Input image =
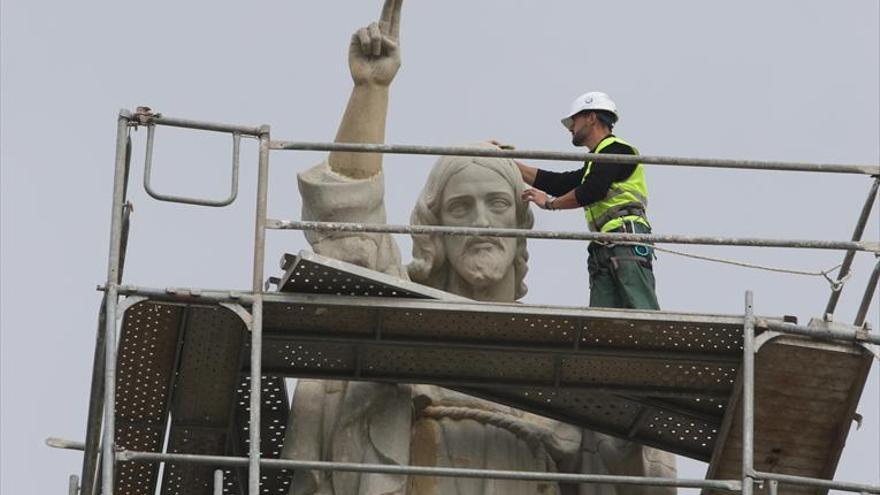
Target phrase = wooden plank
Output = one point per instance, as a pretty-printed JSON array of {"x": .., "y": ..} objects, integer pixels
[
  {"x": 807, "y": 386},
  {"x": 858, "y": 385},
  {"x": 805, "y": 394}
]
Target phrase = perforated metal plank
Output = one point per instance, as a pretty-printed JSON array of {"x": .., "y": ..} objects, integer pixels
[
  {"x": 309, "y": 273},
  {"x": 548, "y": 360},
  {"x": 312, "y": 273},
  {"x": 713, "y": 338},
  {"x": 548, "y": 326},
  {"x": 148, "y": 345},
  {"x": 302, "y": 273},
  {"x": 805, "y": 396},
  {"x": 493, "y": 376},
  {"x": 671, "y": 429},
  {"x": 274, "y": 412},
  {"x": 324, "y": 322},
  {"x": 698, "y": 385},
  {"x": 204, "y": 395},
  {"x": 668, "y": 375}
]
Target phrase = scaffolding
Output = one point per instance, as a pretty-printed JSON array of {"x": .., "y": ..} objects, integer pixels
[{"x": 378, "y": 332}]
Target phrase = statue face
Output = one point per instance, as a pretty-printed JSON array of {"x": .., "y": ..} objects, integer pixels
[{"x": 479, "y": 197}]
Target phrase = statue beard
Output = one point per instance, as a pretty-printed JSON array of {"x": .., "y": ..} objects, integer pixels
[{"x": 485, "y": 262}]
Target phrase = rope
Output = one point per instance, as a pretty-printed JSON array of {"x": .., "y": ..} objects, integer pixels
[
  {"x": 532, "y": 434},
  {"x": 836, "y": 285},
  {"x": 494, "y": 418}
]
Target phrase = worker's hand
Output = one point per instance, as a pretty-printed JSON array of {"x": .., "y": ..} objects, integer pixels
[
  {"x": 374, "y": 53},
  {"x": 535, "y": 196}
]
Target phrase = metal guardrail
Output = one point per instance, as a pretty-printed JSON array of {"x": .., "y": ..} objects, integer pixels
[
  {"x": 148, "y": 172},
  {"x": 854, "y": 246},
  {"x": 860, "y": 335},
  {"x": 580, "y": 157},
  {"x": 776, "y": 478},
  {"x": 726, "y": 485},
  {"x": 114, "y": 289}
]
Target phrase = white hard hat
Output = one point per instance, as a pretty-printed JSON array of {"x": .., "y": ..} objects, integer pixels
[{"x": 594, "y": 100}]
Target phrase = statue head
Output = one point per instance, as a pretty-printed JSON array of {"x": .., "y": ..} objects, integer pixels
[{"x": 471, "y": 192}]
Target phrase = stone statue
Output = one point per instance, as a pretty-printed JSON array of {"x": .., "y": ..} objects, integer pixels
[
  {"x": 472, "y": 192},
  {"x": 420, "y": 424}
]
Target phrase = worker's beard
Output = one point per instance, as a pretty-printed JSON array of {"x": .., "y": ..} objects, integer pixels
[{"x": 579, "y": 138}]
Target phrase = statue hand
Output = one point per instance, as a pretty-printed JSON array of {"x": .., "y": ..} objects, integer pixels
[
  {"x": 499, "y": 144},
  {"x": 374, "y": 52}
]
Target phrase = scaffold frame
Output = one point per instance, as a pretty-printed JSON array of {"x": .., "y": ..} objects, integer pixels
[{"x": 101, "y": 454}]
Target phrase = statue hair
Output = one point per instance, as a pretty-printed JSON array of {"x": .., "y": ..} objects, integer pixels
[{"x": 429, "y": 256}]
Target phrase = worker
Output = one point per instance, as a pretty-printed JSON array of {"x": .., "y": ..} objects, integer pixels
[{"x": 614, "y": 198}]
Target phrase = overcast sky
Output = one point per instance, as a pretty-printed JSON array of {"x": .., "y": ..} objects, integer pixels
[{"x": 784, "y": 80}]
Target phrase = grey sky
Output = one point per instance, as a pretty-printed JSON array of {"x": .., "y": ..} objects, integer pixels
[{"x": 792, "y": 80}]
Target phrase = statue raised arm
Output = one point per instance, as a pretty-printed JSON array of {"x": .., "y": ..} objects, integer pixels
[
  {"x": 349, "y": 187},
  {"x": 373, "y": 58}
]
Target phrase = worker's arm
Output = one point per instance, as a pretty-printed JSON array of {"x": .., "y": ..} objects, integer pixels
[
  {"x": 528, "y": 173},
  {"x": 573, "y": 190},
  {"x": 591, "y": 190},
  {"x": 563, "y": 184},
  {"x": 373, "y": 58}
]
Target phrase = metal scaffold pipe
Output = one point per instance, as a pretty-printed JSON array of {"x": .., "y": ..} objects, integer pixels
[
  {"x": 858, "y": 335},
  {"x": 159, "y": 119},
  {"x": 861, "y": 223},
  {"x": 572, "y": 236},
  {"x": 110, "y": 309},
  {"x": 868, "y": 297},
  {"x": 818, "y": 483},
  {"x": 580, "y": 157},
  {"x": 748, "y": 396},
  {"x": 257, "y": 322},
  {"x": 726, "y": 485}
]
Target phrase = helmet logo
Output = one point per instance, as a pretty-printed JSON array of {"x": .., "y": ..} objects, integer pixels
[{"x": 588, "y": 99}]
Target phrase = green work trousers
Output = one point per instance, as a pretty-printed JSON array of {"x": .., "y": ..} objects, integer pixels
[{"x": 620, "y": 277}]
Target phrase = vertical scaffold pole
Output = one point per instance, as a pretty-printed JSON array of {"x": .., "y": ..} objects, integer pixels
[
  {"x": 73, "y": 485},
  {"x": 868, "y": 296},
  {"x": 113, "y": 264},
  {"x": 257, "y": 326},
  {"x": 748, "y": 403},
  {"x": 857, "y": 236}
]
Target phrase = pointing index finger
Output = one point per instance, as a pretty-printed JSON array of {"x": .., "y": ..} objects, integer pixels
[{"x": 389, "y": 22}]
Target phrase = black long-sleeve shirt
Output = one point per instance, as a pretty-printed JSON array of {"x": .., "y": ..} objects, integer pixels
[{"x": 595, "y": 188}]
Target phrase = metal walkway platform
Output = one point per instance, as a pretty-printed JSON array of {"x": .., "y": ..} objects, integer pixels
[
  {"x": 635, "y": 374},
  {"x": 659, "y": 378}
]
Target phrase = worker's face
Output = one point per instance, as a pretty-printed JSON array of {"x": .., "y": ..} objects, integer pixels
[
  {"x": 580, "y": 127},
  {"x": 479, "y": 197}
]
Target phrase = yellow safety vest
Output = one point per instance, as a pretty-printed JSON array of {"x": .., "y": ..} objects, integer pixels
[{"x": 626, "y": 200}]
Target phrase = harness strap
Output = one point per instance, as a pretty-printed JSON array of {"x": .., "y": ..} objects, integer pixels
[{"x": 624, "y": 210}]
